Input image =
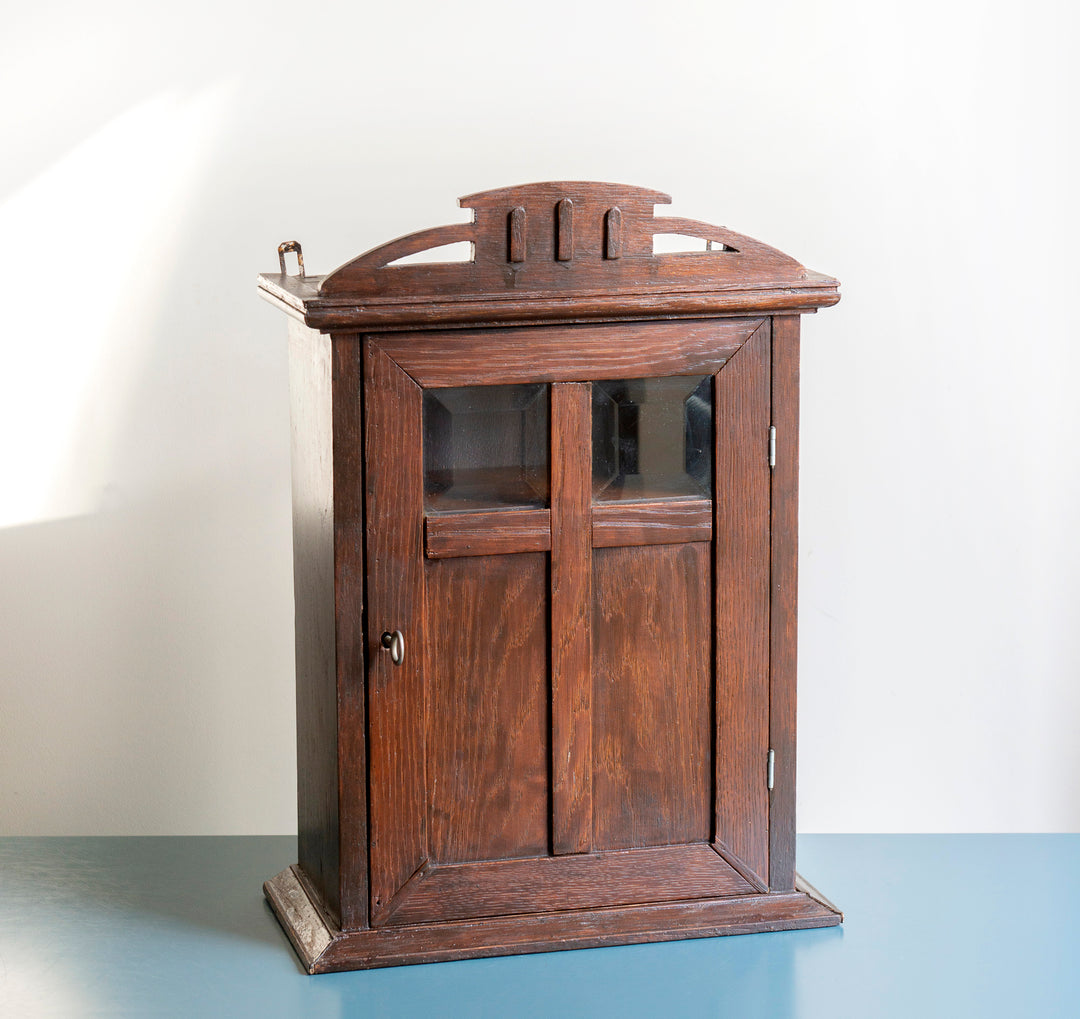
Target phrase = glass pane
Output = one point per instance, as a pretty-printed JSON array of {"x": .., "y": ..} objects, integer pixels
[
  {"x": 485, "y": 447},
  {"x": 652, "y": 438}
]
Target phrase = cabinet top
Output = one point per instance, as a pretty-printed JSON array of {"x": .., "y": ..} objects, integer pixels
[{"x": 549, "y": 252}]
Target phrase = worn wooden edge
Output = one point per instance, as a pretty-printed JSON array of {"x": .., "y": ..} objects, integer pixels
[
  {"x": 290, "y": 293},
  {"x": 298, "y": 296},
  {"x": 804, "y": 886},
  {"x": 497, "y": 196},
  {"x": 299, "y": 918},
  {"x": 660, "y": 522},
  {"x": 325, "y": 949}
]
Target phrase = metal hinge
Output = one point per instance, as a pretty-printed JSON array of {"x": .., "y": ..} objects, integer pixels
[
  {"x": 770, "y": 769},
  {"x": 772, "y": 445}
]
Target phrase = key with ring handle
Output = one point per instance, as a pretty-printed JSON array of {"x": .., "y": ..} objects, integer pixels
[{"x": 394, "y": 643}]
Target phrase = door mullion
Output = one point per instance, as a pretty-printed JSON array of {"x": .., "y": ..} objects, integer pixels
[{"x": 571, "y": 617}]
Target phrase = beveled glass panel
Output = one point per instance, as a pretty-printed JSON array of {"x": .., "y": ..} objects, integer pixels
[
  {"x": 652, "y": 438},
  {"x": 485, "y": 447}
]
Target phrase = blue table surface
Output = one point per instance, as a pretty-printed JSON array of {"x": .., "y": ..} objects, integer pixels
[{"x": 936, "y": 925}]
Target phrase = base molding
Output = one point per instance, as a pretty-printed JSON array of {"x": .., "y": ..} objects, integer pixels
[{"x": 323, "y": 948}]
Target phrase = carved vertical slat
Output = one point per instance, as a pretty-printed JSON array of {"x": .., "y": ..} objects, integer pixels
[
  {"x": 564, "y": 241},
  {"x": 517, "y": 235},
  {"x": 613, "y": 233}
]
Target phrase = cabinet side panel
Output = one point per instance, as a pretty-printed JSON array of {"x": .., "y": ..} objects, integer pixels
[
  {"x": 310, "y": 392},
  {"x": 785, "y": 563},
  {"x": 486, "y": 669},
  {"x": 742, "y": 605},
  {"x": 349, "y": 597},
  {"x": 651, "y": 695}
]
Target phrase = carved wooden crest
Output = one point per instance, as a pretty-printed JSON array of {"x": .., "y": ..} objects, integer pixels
[{"x": 536, "y": 247}]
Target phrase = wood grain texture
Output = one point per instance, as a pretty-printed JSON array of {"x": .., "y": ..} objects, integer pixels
[
  {"x": 497, "y": 532},
  {"x": 394, "y": 490},
  {"x": 580, "y": 881},
  {"x": 652, "y": 679},
  {"x": 632, "y": 350},
  {"x": 301, "y": 297},
  {"x": 348, "y": 385},
  {"x": 311, "y": 415},
  {"x": 742, "y": 604},
  {"x": 543, "y": 932},
  {"x": 487, "y": 722},
  {"x": 571, "y": 613},
  {"x": 651, "y": 523},
  {"x": 784, "y": 594}
]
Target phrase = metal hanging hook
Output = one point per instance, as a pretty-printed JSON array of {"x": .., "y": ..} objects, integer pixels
[{"x": 283, "y": 249}]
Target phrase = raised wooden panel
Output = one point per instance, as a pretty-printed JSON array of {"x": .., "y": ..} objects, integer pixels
[
  {"x": 487, "y": 724},
  {"x": 742, "y": 481},
  {"x": 582, "y": 881},
  {"x": 395, "y": 494},
  {"x": 652, "y": 647}
]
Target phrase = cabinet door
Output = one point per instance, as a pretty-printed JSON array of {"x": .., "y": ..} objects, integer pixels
[{"x": 573, "y": 544}]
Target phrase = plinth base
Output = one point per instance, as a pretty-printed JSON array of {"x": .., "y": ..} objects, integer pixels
[{"x": 325, "y": 949}]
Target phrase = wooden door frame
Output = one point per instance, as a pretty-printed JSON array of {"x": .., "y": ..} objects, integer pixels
[
  {"x": 405, "y": 886},
  {"x": 783, "y": 639}
]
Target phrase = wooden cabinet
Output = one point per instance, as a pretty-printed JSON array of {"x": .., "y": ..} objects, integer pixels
[{"x": 545, "y": 564}]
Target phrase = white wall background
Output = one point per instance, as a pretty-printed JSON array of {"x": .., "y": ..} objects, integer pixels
[{"x": 155, "y": 155}]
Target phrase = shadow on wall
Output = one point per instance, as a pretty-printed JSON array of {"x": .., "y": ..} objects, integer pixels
[
  {"x": 145, "y": 647},
  {"x": 146, "y": 667}
]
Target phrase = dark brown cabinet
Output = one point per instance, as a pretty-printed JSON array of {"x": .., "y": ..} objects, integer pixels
[{"x": 545, "y": 564}]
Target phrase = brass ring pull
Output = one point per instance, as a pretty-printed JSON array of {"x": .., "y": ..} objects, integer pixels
[{"x": 395, "y": 643}]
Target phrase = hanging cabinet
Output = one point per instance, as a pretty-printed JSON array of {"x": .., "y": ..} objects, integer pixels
[{"x": 545, "y": 565}]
